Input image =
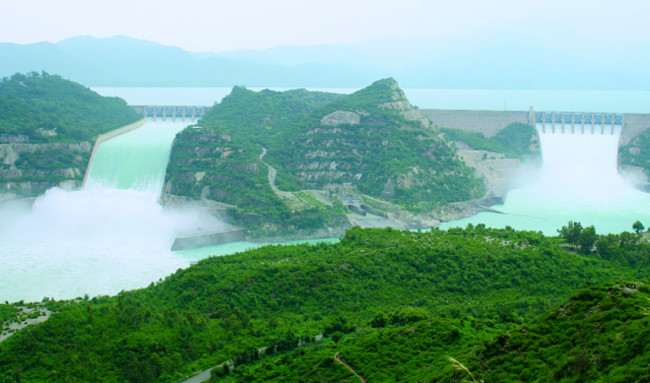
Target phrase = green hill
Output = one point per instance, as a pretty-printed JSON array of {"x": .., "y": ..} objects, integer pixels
[
  {"x": 393, "y": 303},
  {"x": 320, "y": 144},
  {"x": 600, "y": 334},
  {"x": 47, "y": 129}
]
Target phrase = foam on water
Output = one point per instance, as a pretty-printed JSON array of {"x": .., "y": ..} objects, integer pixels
[
  {"x": 578, "y": 181},
  {"x": 111, "y": 236},
  {"x": 96, "y": 241}
]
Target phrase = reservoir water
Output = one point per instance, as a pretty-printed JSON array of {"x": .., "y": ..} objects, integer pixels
[{"x": 114, "y": 235}]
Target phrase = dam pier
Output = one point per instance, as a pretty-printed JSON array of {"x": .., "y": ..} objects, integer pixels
[{"x": 183, "y": 112}]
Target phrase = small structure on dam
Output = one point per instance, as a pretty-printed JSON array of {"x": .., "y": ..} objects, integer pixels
[
  {"x": 577, "y": 122},
  {"x": 192, "y": 112}
]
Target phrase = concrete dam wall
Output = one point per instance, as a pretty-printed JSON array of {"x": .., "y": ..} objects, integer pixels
[{"x": 490, "y": 122}]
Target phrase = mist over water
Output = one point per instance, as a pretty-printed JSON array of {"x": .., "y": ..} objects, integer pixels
[
  {"x": 113, "y": 235},
  {"x": 578, "y": 181},
  {"x": 96, "y": 241}
]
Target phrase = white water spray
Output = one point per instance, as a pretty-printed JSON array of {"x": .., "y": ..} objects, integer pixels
[
  {"x": 113, "y": 235},
  {"x": 579, "y": 181}
]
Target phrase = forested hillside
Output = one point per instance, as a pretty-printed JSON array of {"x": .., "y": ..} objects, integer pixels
[
  {"x": 319, "y": 144},
  {"x": 395, "y": 305},
  {"x": 47, "y": 129},
  {"x": 366, "y": 140}
]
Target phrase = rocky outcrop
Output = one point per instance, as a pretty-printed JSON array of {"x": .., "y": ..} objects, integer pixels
[
  {"x": 500, "y": 174},
  {"x": 28, "y": 169},
  {"x": 341, "y": 117}
]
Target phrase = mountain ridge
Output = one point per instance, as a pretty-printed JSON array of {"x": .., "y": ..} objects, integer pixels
[{"x": 506, "y": 61}]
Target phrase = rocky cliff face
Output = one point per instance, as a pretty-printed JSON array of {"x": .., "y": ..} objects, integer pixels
[
  {"x": 28, "y": 169},
  {"x": 47, "y": 128}
]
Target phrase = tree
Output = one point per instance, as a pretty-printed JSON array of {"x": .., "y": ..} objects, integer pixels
[
  {"x": 587, "y": 239},
  {"x": 608, "y": 246},
  {"x": 638, "y": 227},
  {"x": 571, "y": 232}
]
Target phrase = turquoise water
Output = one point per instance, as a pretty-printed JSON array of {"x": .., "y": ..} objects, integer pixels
[
  {"x": 114, "y": 235},
  {"x": 193, "y": 255},
  {"x": 136, "y": 160},
  {"x": 111, "y": 236}
]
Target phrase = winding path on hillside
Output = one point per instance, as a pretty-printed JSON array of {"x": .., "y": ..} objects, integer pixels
[
  {"x": 272, "y": 174},
  {"x": 337, "y": 357}
]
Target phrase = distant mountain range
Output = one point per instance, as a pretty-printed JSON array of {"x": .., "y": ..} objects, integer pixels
[{"x": 508, "y": 61}]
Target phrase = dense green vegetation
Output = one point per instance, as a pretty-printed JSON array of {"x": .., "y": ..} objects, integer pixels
[
  {"x": 600, "y": 334},
  {"x": 226, "y": 147},
  {"x": 394, "y": 305},
  {"x": 515, "y": 140},
  {"x": 637, "y": 152},
  {"x": 50, "y": 125},
  {"x": 47, "y": 108},
  {"x": 384, "y": 155},
  {"x": 384, "y": 149},
  {"x": 7, "y": 312}
]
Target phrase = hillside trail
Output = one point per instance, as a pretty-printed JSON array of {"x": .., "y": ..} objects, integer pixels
[
  {"x": 272, "y": 171},
  {"x": 337, "y": 357},
  {"x": 272, "y": 174},
  {"x": 293, "y": 201}
]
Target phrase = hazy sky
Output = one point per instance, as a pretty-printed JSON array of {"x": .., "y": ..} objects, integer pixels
[{"x": 242, "y": 24}]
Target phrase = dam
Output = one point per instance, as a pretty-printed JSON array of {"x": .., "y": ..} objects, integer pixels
[
  {"x": 579, "y": 178},
  {"x": 488, "y": 122}
]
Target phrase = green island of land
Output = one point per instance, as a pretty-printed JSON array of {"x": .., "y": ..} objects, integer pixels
[{"x": 312, "y": 164}]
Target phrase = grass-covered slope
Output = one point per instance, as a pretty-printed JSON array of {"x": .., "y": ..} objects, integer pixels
[
  {"x": 47, "y": 129},
  {"x": 374, "y": 293}
]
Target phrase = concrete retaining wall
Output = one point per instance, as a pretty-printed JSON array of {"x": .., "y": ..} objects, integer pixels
[
  {"x": 482, "y": 121},
  {"x": 105, "y": 137},
  {"x": 634, "y": 124},
  {"x": 182, "y": 243}
]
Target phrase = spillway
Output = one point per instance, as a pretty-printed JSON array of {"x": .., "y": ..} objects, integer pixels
[
  {"x": 112, "y": 235},
  {"x": 578, "y": 181},
  {"x": 136, "y": 160}
]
